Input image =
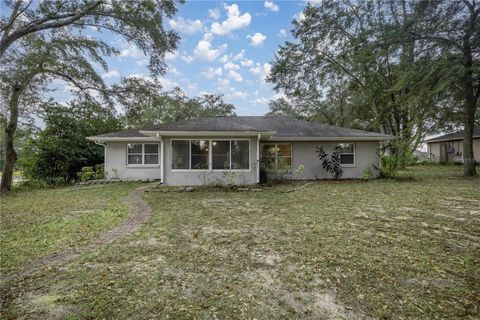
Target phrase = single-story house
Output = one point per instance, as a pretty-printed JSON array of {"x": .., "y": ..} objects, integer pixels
[
  {"x": 229, "y": 150},
  {"x": 449, "y": 147}
]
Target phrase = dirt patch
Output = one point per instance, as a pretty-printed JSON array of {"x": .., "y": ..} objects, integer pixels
[
  {"x": 47, "y": 306},
  {"x": 314, "y": 304},
  {"x": 238, "y": 206}
]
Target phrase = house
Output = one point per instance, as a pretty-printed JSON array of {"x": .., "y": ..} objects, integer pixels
[
  {"x": 230, "y": 149},
  {"x": 449, "y": 148}
]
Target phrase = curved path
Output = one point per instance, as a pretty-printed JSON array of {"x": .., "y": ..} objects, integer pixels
[{"x": 139, "y": 213}]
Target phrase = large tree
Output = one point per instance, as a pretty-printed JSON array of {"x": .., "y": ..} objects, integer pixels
[
  {"x": 60, "y": 150},
  {"x": 42, "y": 41},
  {"x": 146, "y": 104},
  {"x": 452, "y": 30},
  {"x": 387, "y": 80}
]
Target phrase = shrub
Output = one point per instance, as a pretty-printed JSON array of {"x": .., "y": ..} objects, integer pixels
[
  {"x": 388, "y": 166},
  {"x": 332, "y": 165},
  {"x": 91, "y": 173}
]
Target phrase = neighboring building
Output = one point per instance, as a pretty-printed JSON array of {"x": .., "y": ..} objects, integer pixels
[
  {"x": 449, "y": 148},
  {"x": 229, "y": 150}
]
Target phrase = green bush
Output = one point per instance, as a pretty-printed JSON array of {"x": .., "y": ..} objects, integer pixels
[
  {"x": 91, "y": 173},
  {"x": 388, "y": 166}
]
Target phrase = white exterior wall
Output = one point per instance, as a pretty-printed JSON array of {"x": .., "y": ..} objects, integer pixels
[
  {"x": 304, "y": 153},
  {"x": 116, "y": 158},
  {"x": 202, "y": 177}
]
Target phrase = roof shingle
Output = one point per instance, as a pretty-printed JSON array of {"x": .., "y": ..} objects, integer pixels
[{"x": 458, "y": 135}]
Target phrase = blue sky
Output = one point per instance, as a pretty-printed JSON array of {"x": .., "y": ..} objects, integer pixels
[{"x": 226, "y": 48}]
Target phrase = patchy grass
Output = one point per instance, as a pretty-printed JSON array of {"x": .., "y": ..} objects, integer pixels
[
  {"x": 380, "y": 249},
  {"x": 40, "y": 222}
]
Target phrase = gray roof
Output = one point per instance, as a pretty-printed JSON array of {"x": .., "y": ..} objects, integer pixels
[
  {"x": 458, "y": 135},
  {"x": 282, "y": 126},
  {"x": 122, "y": 134}
]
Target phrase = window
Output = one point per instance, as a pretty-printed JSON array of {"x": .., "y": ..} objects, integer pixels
[
  {"x": 199, "y": 154},
  {"x": 224, "y": 154},
  {"x": 240, "y": 153},
  {"x": 180, "y": 154},
  {"x": 220, "y": 154},
  {"x": 142, "y": 154},
  {"x": 277, "y": 157},
  {"x": 347, "y": 154}
]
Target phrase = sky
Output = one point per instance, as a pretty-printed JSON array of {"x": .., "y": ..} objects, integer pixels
[{"x": 226, "y": 48}]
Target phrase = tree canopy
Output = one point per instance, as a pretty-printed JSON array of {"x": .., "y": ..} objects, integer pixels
[{"x": 376, "y": 65}]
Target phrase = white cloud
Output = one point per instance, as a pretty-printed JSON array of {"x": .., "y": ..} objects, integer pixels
[
  {"x": 205, "y": 51},
  {"x": 210, "y": 73},
  {"x": 261, "y": 100},
  {"x": 256, "y": 39},
  {"x": 270, "y": 5},
  {"x": 231, "y": 66},
  {"x": 282, "y": 33},
  {"x": 214, "y": 14},
  {"x": 132, "y": 52},
  {"x": 111, "y": 74},
  {"x": 235, "y": 75},
  {"x": 262, "y": 70},
  {"x": 224, "y": 59},
  {"x": 240, "y": 94},
  {"x": 234, "y": 21},
  {"x": 168, "y": 84},
  {"x": 243, "y": 60},
  {"x": 299, "y": 16},
  {"x": 187, "y": 58},
  {"x": 142, "y": 62},
  {"x": 185, "y": 25},
  {"x": 171, "y": 55}
]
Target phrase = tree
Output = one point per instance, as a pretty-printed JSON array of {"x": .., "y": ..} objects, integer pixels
[
  {"x": 60, "y": 150},
  {"x": 452, "y": 29},
  {"x": 147, "y": 105},
  {"x": 360, "y": 60},
  {"x": 39, "y": 43}
]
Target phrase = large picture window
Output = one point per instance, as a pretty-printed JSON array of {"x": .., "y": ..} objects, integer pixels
[
  {"x": 210, "y": 154},
  {"x": 347, "y": 154},
  {"x": 277, "y": 157},
  {"x": 142, "y": 154}
]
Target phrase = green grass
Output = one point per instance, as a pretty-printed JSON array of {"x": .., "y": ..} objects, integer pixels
[
  {"x": 384, "y": 249},
  {"x": 40, "y": 222}
]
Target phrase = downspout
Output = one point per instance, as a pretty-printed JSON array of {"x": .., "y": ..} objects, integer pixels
[
  {"x": 161, "y": 160},
  {"x": 104, "y": 156},
  {"x": 258, "y": 158}
]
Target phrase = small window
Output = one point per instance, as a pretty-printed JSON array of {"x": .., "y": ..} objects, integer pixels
[
  {"x": 347, "y": 154},
  {"x": 134, "y": 154},
  {"x": 142, "y": 154},
  {"x": 277, "y": 157},
  {"x": 151, "y": 153}
]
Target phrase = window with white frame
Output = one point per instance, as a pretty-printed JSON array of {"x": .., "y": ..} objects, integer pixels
[
  {"x": 210, "y": 154},
  {"x": 347, "y": 153},
  {"x": 142, "y": 154},
  {"x": 277, "y": 157}
]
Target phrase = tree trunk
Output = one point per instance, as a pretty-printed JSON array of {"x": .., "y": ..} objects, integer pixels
[
  {"x": 469, "y": 102},
  {"x": 10, "y": 154}
]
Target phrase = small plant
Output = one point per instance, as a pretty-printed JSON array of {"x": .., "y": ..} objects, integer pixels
[
  {"x": 332, "y": 165},
  {"x": 366, "y": 175}
]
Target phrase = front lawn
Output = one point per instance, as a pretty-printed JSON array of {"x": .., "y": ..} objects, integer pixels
[
  {"x": 36, "y": 223},
  {"x": 349, "y": 249}
]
